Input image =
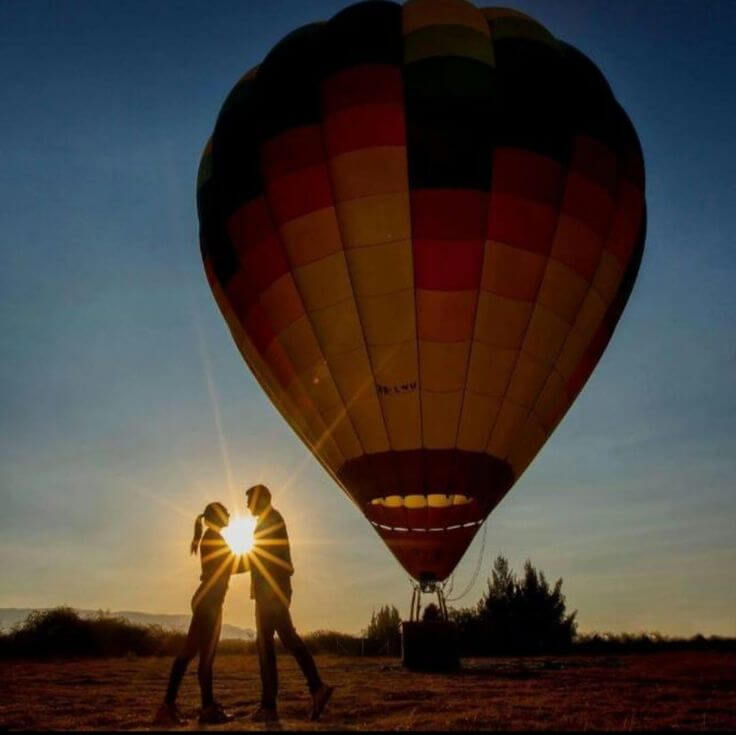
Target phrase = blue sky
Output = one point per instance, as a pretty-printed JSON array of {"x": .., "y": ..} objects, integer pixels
[{"x": 125, "y": 407}]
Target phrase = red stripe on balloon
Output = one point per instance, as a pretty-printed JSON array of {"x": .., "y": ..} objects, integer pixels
[
  {"x": 365, "y": 126},
  {"x": 359, "y": 85},
  {"x": 293, "y": 150},
  {"x": 448, "y": 265},
  {"x": 300, "y": 193}
]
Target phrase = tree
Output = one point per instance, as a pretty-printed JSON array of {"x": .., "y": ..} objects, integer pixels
[
  {"x": 383, "y": 633},
  {"x": 522, "y": 615}
]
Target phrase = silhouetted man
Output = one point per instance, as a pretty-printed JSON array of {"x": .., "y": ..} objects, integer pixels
[{"x": 271, "y": 570}]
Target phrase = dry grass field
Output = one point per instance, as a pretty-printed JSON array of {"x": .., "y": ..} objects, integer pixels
[{"x": 663, "y": 691}]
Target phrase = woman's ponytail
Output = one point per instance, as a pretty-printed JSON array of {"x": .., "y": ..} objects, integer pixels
[{"x": 194, "y": 548}]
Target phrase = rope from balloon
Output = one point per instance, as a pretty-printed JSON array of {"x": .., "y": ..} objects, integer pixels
[{"x": 475, "y": 573}]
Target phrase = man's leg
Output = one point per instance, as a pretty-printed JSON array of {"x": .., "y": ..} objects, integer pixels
[
  {"x": 296, "y": 647},
  {"x": 266, "y": 656}
]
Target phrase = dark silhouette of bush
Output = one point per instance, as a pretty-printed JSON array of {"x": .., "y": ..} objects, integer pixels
[
  {"x": 62, "y": 633},
  {"x": 330, "y": 641},
  {"x": 383, "y": 634},
  {"x": 516, "y": 616},
  {"x": 432, "y": 613}
]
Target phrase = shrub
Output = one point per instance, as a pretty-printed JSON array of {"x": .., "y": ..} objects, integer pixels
[
  {"x": 516, "y": 615},
  {"x": 62, "y": 633},
  {"x": 383, "y": 634}
]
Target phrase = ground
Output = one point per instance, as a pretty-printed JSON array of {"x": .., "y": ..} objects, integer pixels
[{"x": 667, "y": 690}]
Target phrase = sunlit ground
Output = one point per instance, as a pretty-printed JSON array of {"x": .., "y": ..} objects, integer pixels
[{"x": 239, "y": 534}]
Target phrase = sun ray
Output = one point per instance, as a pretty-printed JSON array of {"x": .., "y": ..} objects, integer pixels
[
  {"x": 269, "y": 578},
  {"x": 164, "y": 502},
  {"x": 273, "y": 558},
  {"x": 210, "y": 582},
  {"x": 214, "y": 402}
]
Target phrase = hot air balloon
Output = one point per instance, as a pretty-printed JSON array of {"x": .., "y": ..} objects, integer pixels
[{"x": 421, "y": 224}]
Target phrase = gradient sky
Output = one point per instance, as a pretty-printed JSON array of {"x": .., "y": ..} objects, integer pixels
[{"x": 125, "y": 406}]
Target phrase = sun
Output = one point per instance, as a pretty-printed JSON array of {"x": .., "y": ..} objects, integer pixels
[{"x": 239, "y": 534}]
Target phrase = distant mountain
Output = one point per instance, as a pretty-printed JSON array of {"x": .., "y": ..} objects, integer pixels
[{"x": 10, "y": 616}]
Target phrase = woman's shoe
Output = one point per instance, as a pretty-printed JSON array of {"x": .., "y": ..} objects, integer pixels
[
  {"x": 264, "y": 714},
  {"x": 320, "y": 699},
  {"x": 214, "y": 715},
  {"x": 168, "y": 715}
]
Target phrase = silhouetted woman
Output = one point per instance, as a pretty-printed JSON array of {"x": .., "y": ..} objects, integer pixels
[{"x": 218, "y": 563}]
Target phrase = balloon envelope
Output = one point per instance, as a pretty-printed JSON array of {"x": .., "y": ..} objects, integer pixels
[{"x": 421, "y": 224}]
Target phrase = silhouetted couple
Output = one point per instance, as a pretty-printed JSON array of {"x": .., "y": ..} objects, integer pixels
[{"x": 269, "y": 563}]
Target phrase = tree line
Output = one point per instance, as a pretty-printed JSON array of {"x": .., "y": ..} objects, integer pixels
[{"x": 516, "y": 615}]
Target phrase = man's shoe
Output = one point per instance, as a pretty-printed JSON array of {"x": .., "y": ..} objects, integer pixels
[
  {"x": 264, "y": 714},
  {"x": 320, "y": 699},
  {"x": 168, "y": 715},
  {"x": 214, "y": 715}
]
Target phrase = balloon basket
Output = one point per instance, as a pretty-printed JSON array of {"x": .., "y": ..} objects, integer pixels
[{"x": 429, "y": 645}]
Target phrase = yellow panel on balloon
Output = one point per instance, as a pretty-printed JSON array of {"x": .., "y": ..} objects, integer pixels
[
  {"x": 395, "y": 365},
  {"x": 375, "y": 219},
  {"x": 562, "y": 290},
  {"x": 352, "y": 371},
  {"x": 443, "y": 365},
  {"x": 530, "y": 441},
  {"x": 381, "y": 269},
  {"x": 575, "y": 346},
  {"x": 509, "y": 420},
  {"x": 353, "y": 377},
  {"x": 300, "y": 343},
  {"x": 591, "y": 315},
  {"x": 552, "y": 401},
  {"x": 545, "y": 336},
  {"x": 478, "y": 415},
  {"x": 282, "y": 302},
  {"x": 340, "y": 427},
  {"x": 576, "y": 245},
  {"x": 365, "y": 413},
  {"x": 512, "y": 272},
  {"x": 311, "y": 237},
  {"x": 337, "y": 328},
  {"x": 324, "y": 282},
  {"x": 403, "y": 420},
  {"x": 490, "y": 369},
  {"x": 527, "y": 381},
  {"x": 501, "y": 322},
  {"x": 445, "y": 316},
  {"x": 418, "y": 14},
  {"x": 608, "y": 276},
  {"x": 440, "y": 416},
  {"x": 395, "y": 371},
  {"x": 320, "y": 386},
  {"x": 369, "y": 171},
  {"x": 388, "y": 319}
]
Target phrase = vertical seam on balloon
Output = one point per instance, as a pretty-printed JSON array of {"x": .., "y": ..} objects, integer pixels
[
  {"x": 477, "y": 294},
  {"x": 355, "y": 300},
  {"x": 563, "y": 189},
  {"x": 277, "y": 232},
  {"x": 421, "y": 449},
  {"x": 639, "y": 245},
  {"x": 265, "y": 385},
  {"x": 530, "y": 411}
]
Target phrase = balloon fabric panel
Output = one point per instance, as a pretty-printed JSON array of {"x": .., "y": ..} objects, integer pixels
[{"x": 422, "y": 224}]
